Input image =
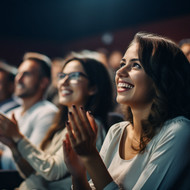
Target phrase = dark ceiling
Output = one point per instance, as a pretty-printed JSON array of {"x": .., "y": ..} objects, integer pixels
[{"x": 67, "y": 20}]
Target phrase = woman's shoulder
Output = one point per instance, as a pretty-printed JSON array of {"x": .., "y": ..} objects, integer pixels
[
  {"x": 111, "y": 142},
  {"x": 177, "y": 123},
  {"x": 178, "y": 127},
  {"x": 118, "y": 128}
]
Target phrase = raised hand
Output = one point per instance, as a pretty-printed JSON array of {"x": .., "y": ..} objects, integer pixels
[
  {"x": 72, "y": 160},
  {"x": 82, "y": 131},
  {"x": 9, "y": 128},
  {"x": 7, "y": 141}
]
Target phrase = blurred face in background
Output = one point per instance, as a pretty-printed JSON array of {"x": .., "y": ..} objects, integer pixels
[
  {"x": 114, "y": 60},
  {"x": 56, "y": 67},
  {"x": 6, "y": 86},
  {"x": 186, "y": 50},
  {"x": 27, "y": 81},
  {"x": 73, "y": 85}
]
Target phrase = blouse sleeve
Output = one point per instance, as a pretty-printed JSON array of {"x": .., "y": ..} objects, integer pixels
[{"x": 51, "y": 167}]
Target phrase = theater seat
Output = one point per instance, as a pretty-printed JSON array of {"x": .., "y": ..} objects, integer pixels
[{"x": 9, "y": 179}]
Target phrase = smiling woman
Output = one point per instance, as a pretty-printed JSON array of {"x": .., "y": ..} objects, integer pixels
[
  {"x": 134, "y": 86},
  {"x": 149, "y": 149}
]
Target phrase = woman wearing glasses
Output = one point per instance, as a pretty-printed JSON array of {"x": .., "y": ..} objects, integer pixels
[{"x": 84, "y": 83}]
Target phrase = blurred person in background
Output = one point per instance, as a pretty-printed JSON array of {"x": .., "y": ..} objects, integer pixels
[
  {"x": 8, "y": 100},
  {"x": 114, "y": 59},
  {"x": 35, "y": 115},
  {"x": 82, "y": 82},
  {"x": 185, "y": 47},
  {"x": 101, "y": 55},
  {"x": 52, "y": 91}
]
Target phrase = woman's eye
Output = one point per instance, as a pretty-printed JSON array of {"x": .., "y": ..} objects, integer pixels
[
  {"x": 74, "y": 76},
  {"x": 137, "y": 65},
  {"x": 122, "y": 64}
]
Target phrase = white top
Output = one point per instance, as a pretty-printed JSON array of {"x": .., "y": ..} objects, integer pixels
[
  {"x": 159, "y": 167},
  {"x": 33, "y": 124},
  {"x": 10, "y": 104}
]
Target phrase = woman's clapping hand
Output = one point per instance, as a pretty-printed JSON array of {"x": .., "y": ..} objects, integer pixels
[{"x": 82, "y": 131}]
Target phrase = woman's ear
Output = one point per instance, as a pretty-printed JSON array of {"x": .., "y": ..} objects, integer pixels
[{"x": 92, "y": 90}]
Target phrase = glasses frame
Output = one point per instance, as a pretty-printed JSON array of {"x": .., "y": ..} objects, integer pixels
[{"x": 61, "y": 75}]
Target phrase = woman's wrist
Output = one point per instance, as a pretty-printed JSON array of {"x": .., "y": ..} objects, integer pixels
[
  {"x": 18, "y": 138},
  {"x": 97, "y": 173},
  {"x": 90, "y": 157},
  {"x": 80, "y": 183}
]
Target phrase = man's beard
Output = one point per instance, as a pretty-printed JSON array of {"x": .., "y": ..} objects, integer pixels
[{"x": 28, "y": 92}]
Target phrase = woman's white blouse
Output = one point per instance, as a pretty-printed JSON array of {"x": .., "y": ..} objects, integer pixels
[{"x": 159, "y": 167}]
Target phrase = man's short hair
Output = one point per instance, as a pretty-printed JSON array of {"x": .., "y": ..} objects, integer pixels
[
  {"x": 43, "y": 60},
  {"x": 9, "y": 69}
]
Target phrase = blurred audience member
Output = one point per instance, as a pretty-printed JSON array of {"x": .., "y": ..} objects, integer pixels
[
  {"x": 185, "y": 47},
  {"x": 7, "y": 99},
  {"x": 82, "y": 82},
  {"x": 114, "y": 60},
  {"x": 35, "y": 115},
  {"x": 101, "y": 55},
  {"x": 97, "y": 55},
  {"x": 52, "y": 92}
]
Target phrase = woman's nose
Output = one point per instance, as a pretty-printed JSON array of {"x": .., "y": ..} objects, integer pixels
[
  {"x": 64, "y": 81},
  {"x": 122, "y": 72}
]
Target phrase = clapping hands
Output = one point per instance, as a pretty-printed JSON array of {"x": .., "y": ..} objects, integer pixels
[
  {"x": 82, "y": 131},
  {"x": 9, "y": 128},
  {"x": 80, "y": 141},
  {"x": 80, "y": 151}
]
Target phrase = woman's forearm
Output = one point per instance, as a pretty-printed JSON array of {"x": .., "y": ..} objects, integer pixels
[
  {"x": 23, "y": 166},
  {"x": 80, "y": 183},
  {"x": 97, "y": 170}
]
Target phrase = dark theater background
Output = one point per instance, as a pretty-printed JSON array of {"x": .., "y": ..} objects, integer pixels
[{"x": 55, "y": 27}]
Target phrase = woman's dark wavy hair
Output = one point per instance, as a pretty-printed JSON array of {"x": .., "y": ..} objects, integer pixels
[
  {"x": 169, "y": 69},
  {"x": 99, "y": 104}
]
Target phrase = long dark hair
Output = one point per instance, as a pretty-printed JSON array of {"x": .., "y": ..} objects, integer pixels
[
  {"x": 169, "y": 70},
  {"x": 99, "y": 104}
]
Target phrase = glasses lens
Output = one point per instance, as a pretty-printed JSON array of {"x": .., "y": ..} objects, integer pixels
[
  {"x": 74, "y": 76},
  {"x": 61, "y": 76}
]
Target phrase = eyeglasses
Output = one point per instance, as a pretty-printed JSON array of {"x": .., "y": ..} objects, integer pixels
[{"x": 72, "y": 77}]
